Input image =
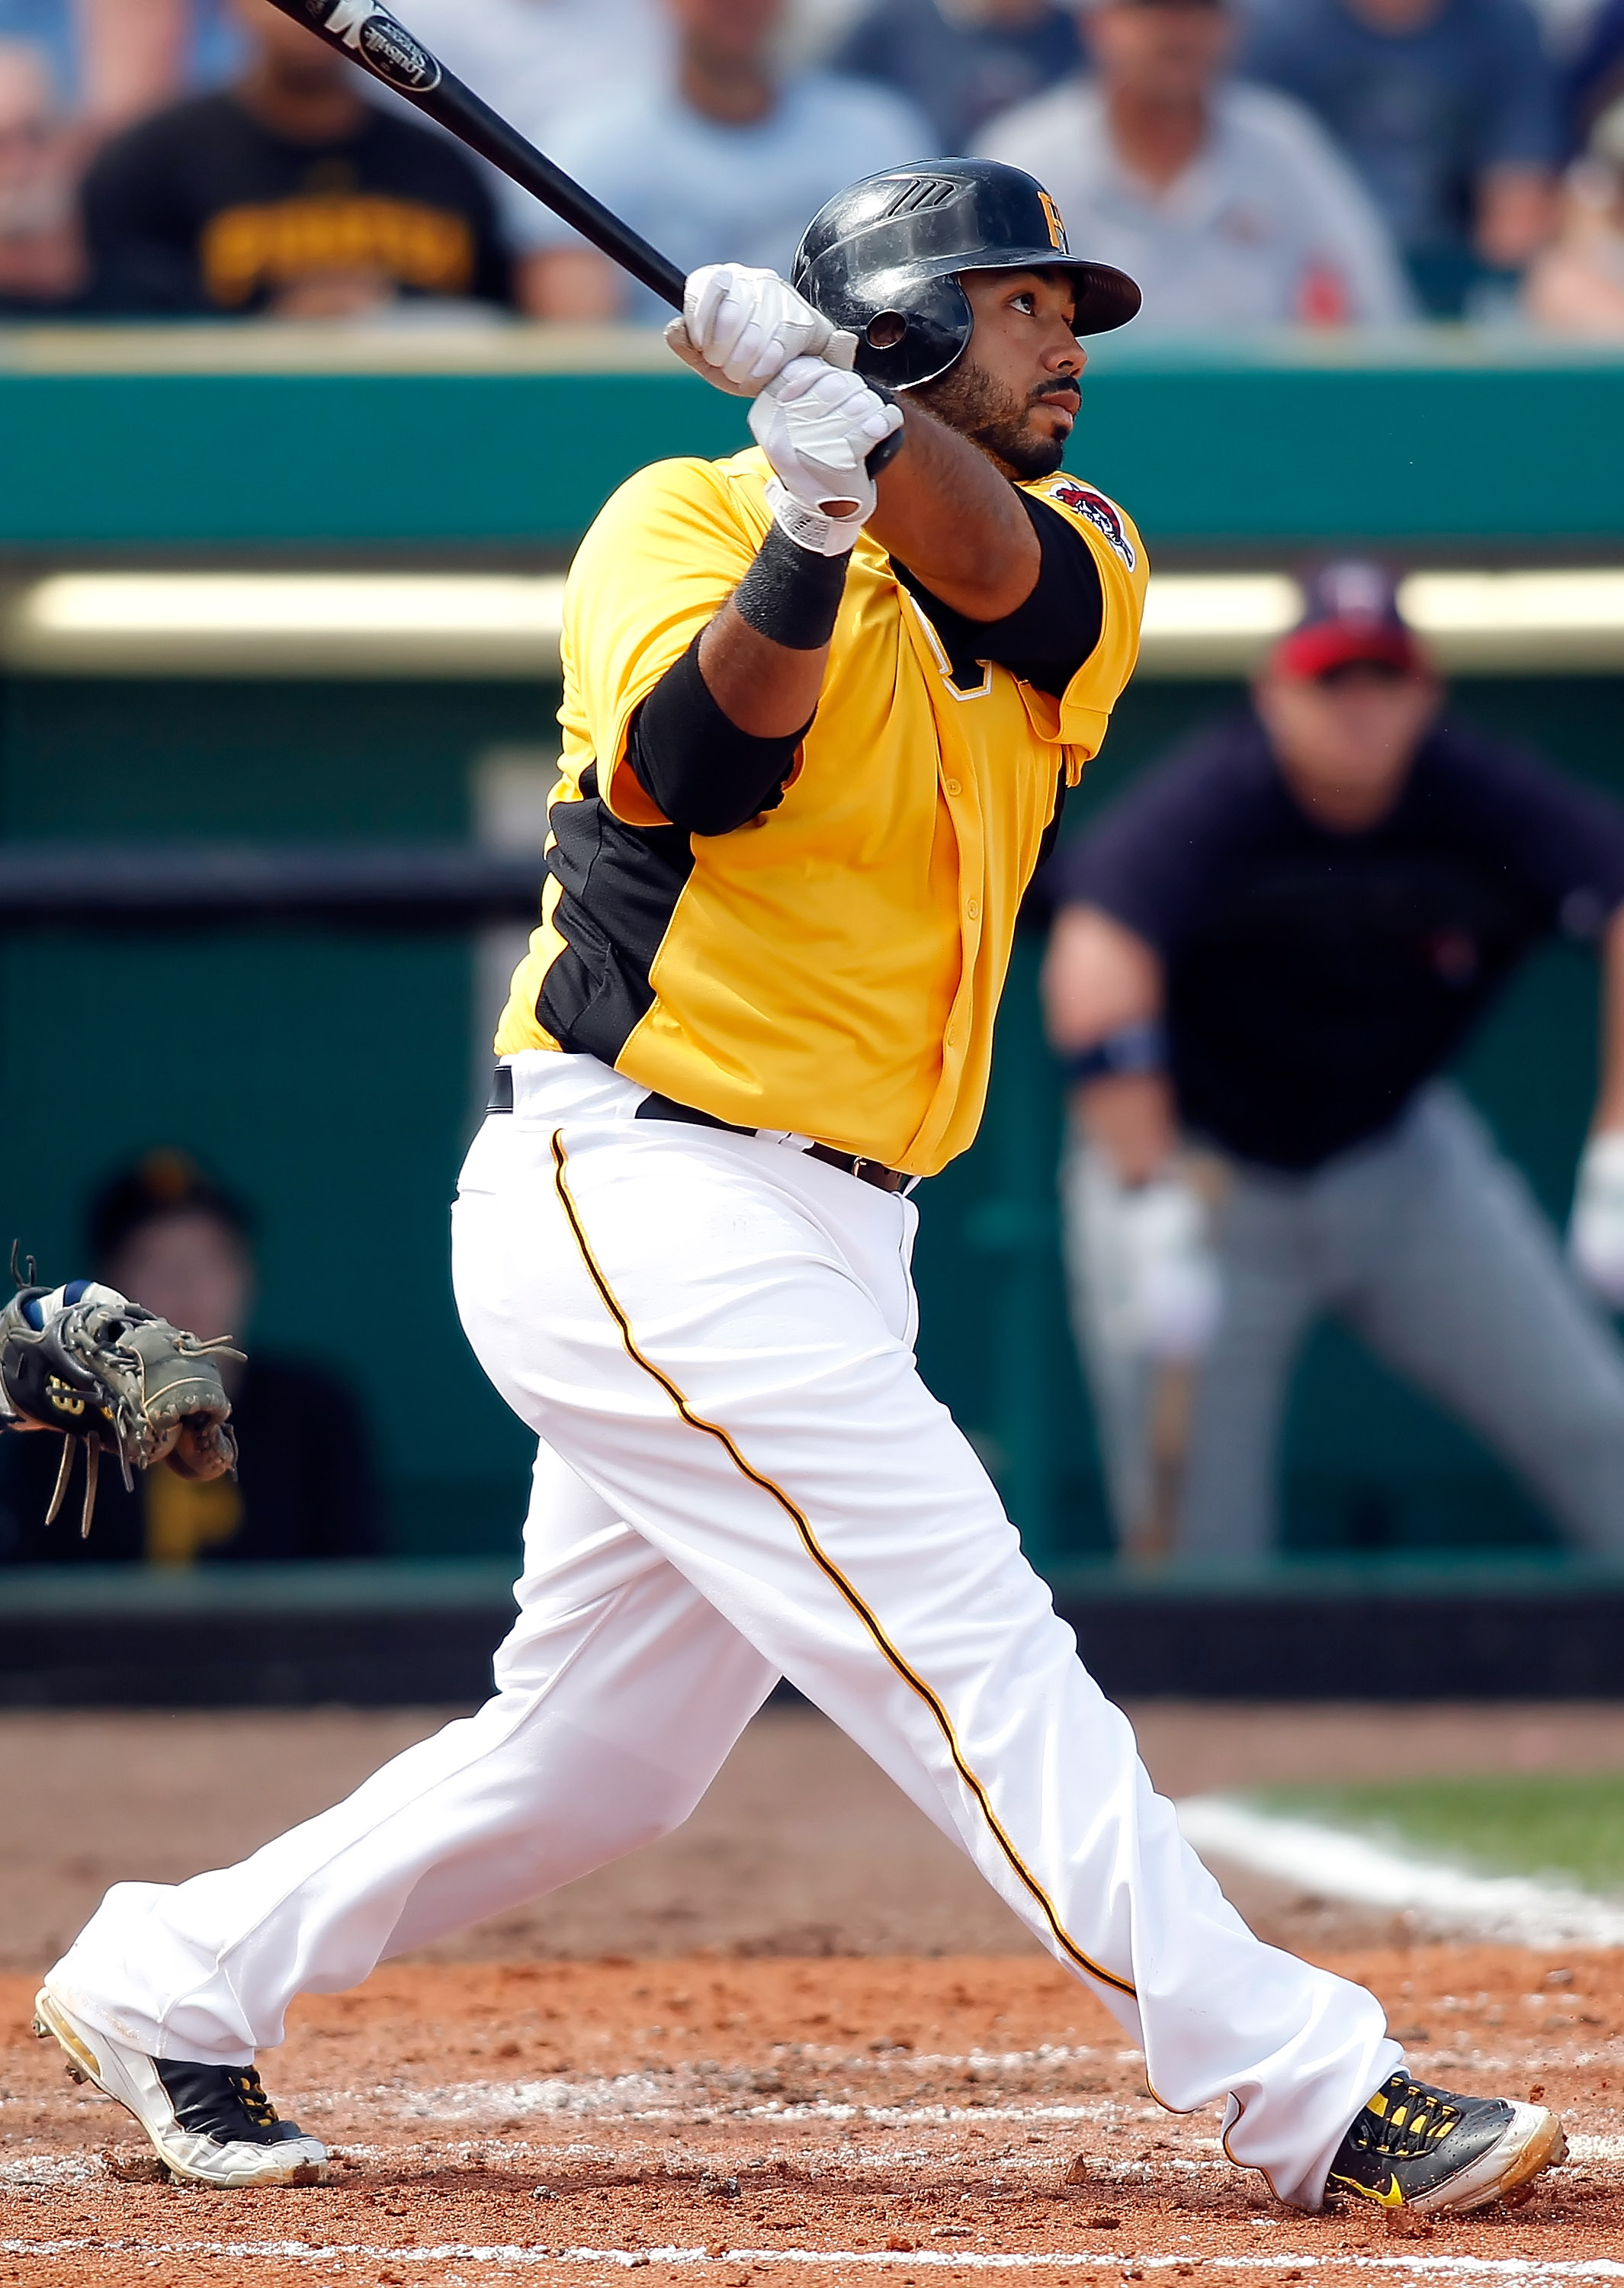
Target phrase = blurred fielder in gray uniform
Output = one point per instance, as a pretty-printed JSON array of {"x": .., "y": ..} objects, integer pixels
[{"x": 1263, "y": 961}]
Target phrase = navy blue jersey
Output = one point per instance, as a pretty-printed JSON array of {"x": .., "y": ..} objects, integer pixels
[{"x": 1315, "y": 980}]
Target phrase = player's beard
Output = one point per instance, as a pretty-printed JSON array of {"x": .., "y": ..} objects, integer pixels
[{"x": 992, "y": 416}]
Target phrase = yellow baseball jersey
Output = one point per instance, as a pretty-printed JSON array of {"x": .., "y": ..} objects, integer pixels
[{"x": 833, "y": 968}]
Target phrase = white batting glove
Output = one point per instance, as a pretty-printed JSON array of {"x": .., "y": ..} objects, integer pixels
[
  {"x": 818, "y": 426},
  {"x": 1173, "y": 1282},
  {"x": 740, "y": 327},
  {"x": 1596, "y": 1229}
]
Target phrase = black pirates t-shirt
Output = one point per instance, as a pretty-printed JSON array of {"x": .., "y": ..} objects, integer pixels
[{"x": 203, "y": 210}]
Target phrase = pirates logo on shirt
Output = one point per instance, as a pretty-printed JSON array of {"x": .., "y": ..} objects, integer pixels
[{"x": 1084, "y": 502}]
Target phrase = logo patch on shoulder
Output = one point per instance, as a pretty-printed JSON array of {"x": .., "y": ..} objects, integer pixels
[{"x": 1083, "y": 501}]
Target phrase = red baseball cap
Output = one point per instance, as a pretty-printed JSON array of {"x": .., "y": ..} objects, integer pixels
[{"x": 1350, "y": 615}]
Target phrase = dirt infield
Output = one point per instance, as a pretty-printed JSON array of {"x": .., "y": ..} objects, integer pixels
[
  {"x": 797, "y": 2038},
  {"x": 829, "y": 2119},
  {"x": 802, "y": 1847}
]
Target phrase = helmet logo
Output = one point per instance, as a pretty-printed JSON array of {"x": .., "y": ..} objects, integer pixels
[
  {"x": 918, "y": 194},
  {"x": 1056, "y": 228}
]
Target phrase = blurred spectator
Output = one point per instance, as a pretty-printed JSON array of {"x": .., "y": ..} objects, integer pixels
[
  {"x": 1595, "y": 80},
  {"x": 729, "y": 164},
  {"x": 287, "y": 194},
  {"x": 137, "y": 55},
  {"x": 1264, "y": 960},
  {"x": 53, "y": 27},
  {"x": 544, "y": 63},
  {"x": 1448, "y": 110},
  {"x": 113, "y": 61},
  {"x": 71, "y": 73},
  {"x": 962, "y": 62},
  {"x": 1566, "y": 25},
  {"x": 42, "y": 260},
  {"x": 167, "y": 1237},
  {"x": 1576, "y": 286},
  {"x": 1226, "y": 202}
]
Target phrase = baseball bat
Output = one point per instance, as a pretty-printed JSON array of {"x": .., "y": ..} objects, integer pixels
[{"x": 371, "y": 37}]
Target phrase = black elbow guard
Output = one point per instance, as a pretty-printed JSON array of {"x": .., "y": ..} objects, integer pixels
[{"x": 707, "y": 775}]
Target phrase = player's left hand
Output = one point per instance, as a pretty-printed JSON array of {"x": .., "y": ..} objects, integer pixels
[
  {"x": 818, "y": 427},
  {"x": 1174, "y": 1289},
  {"x": 85, "y": 1361},
  {"x": 1596, "y": 1230},
  {"x": 741, "y": 327}
]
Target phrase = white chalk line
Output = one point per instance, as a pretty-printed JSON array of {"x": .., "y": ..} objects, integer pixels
[
  {"x": 640, "y": 2097},
  {"x": 563, "y": 2102},
  {"x": 1331, "y": 1862},
  {"x": 53, "y": 2169},
  {"x": 49, "y": 2169},
  {"x": 825, "y": 2059},
  {"x": 927, "y": 2115},
  {"x": 1521, "y": 2268},
  {"x": 566, "y": 2102}
]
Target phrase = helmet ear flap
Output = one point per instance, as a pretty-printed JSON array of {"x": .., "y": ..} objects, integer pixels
[{"x": 913, "y": 335}]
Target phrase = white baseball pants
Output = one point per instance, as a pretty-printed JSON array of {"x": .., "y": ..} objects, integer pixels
[{"x": 742, "y": 1476}]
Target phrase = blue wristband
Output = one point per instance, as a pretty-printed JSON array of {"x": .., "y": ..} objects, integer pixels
[{"x": 1140, "y": 1048}]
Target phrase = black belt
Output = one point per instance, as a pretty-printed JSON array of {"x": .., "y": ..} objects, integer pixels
[{"x": 666, "y": 1107}]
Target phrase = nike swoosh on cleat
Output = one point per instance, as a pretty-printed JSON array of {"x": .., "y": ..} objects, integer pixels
[{"x": 1392, "y": 2198}]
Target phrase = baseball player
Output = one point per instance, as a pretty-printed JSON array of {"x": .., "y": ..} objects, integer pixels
[
  {"x": 817, "y": 718},
  {"x": 1264, "y": 960}
]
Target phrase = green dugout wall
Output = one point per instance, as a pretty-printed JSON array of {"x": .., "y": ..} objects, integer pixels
[{"x": 328, "y": 1074}]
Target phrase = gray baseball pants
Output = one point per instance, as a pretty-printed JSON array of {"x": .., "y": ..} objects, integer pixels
[{"x": 1428, "y": 1244}]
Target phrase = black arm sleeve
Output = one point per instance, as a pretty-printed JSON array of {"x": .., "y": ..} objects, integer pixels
[
  {"x": 1046, "y": 640},
  {"x": 706, "y": 774}
]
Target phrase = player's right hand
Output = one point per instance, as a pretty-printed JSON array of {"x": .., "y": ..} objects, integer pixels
[
  {"x": 741, "y": 327},
  {"x": 818, "y": 426},
  {"x": 1595, "y": 1232}
]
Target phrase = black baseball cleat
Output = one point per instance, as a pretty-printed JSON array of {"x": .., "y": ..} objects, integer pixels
[
  {"x": 208, "y": 2124},
  {"x": 1414, "y": 2147}
]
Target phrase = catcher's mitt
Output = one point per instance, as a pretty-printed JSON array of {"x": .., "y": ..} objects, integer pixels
[{"x": 116, "y": 1379}]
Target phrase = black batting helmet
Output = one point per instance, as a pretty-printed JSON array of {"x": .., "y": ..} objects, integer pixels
[{"x": 884, "y": 258}]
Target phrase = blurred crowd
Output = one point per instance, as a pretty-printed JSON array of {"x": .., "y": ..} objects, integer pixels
[{"x": 1314, "y": 162}]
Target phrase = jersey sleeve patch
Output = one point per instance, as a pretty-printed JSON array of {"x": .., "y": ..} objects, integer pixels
[{"x": 1106, "y": 519}]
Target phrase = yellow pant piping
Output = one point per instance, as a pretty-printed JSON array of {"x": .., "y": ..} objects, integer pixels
[{"x": 826, "y": 1566}]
